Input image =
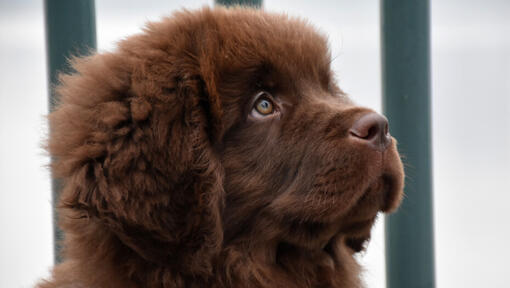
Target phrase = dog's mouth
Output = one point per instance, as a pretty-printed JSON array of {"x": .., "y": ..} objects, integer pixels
[
  {"x": 357, "y": 224},
  {"x": 383, "y": 195},
  {"x": 353, "y": 236},
  {"x": 346, "y": 229},
  {"x": 378, "y": 197},
  {"x": 357, "y": 234}
]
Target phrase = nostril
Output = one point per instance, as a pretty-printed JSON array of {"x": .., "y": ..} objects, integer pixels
[
  {"x": 373, "y": 129},
  {"x": 372, "y": 132}
]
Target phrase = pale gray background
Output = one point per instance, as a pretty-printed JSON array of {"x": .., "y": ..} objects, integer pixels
[{"x": 471, "y": 125}]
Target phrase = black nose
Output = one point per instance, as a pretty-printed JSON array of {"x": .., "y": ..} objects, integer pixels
[{"x": 373, "y": 129}]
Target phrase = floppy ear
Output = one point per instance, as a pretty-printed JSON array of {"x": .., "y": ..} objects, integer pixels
[{"x": 131, "y": 142}]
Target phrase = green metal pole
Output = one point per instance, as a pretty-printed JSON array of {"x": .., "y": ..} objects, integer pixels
[
  {"x": 406, "y": 102},
  {"x": 70, "y": 30},
  {"x": 252, "y": 3}
]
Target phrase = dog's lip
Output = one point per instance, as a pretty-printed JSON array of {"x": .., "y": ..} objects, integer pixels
[
  {"x": 391, "y": 192},
  {"x": 372, "y": 201},
  {"x": 357, "y": 244},
  {"x": 358, "y": 228},
  {"x": 354, "y": 235},
  {"x": 385, "y": 191},
  {"x": 357, "y": 234}
]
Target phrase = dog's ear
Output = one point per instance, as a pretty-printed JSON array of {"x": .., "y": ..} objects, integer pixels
[{"x": 131, "y": 142}]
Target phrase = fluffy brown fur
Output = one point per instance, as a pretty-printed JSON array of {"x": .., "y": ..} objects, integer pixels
[{"x": 172, "y": 179}]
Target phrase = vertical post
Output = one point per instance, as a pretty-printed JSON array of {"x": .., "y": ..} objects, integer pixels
[
  {"x": 252, "y": 3},
  {"x": 70, "y": 30},
  {"x": 406, "y": 102}
]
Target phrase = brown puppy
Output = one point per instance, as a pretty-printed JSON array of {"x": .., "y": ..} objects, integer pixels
[{"x": 215, "y": 150}]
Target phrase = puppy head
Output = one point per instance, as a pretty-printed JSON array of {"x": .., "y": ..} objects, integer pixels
[
  {"x": 209, "y": 124},
  {"x": 303, "y": 164}
]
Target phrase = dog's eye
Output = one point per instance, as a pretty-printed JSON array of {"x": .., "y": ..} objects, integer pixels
[{"x": 264, "y": 105}]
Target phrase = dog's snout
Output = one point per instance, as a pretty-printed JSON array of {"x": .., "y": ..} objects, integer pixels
[{"x": 373, "y": 130}]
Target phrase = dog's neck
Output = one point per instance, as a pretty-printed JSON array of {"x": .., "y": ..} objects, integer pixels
[
  {"x": 273, "y": 263},
  {"x": 267, "y": 262}
]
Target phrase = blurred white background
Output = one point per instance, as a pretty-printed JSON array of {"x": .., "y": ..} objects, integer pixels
[{"x": 471, "y": 125}]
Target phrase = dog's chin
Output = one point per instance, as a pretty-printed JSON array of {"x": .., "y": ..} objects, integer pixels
[
  {"x": 354, "y": 227},
  {"x": 383, "y": 195}
]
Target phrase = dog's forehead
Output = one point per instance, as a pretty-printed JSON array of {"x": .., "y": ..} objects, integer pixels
[{"x": 287, "y": 46}]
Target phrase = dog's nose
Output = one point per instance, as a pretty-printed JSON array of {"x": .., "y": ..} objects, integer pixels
[{"x": 373, "y": 129}]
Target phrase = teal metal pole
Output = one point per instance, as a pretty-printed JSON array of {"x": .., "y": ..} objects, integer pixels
[
  {"x": 70, "y": 30},
  {"x": 252, "y": 3},
  {"x": 406, "y": 102}
]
